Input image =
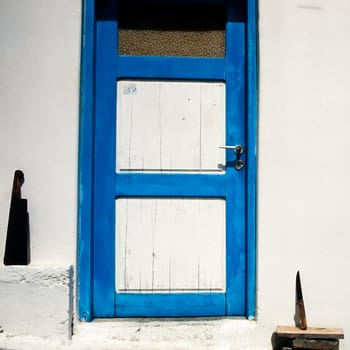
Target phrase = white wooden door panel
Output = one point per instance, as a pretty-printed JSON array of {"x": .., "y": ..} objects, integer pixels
[
  {"x": 170, "y": 126},
  {"x": 170, "y": 245}
]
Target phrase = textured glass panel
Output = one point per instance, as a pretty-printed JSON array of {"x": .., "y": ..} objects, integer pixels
[{"x": 171, "y": 30}]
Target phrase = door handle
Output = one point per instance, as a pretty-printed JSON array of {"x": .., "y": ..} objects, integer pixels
[{"x": 238, "y": 150}]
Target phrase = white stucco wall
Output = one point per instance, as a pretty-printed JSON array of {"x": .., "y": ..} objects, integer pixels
[
  {"x": 304, "y": 188},
  {"x": 36, "y": 300},
  {"x": 303, "y": 176},
  {"x": 39, "y": 79}
]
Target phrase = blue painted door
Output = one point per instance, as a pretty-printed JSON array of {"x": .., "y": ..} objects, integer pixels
[{"x": 111, "y": 185}]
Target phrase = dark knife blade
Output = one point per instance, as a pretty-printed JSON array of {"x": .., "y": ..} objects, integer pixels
[
  {"x": 298, "y": 288},
  {"x": 302, "y": 324}
]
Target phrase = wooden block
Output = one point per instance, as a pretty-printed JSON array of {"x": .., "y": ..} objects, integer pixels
[
  {"x": 310, "y": 332},
  {"x": 313, "y": 344}
]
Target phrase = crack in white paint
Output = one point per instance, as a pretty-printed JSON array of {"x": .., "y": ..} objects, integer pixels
[
  {"x": 125, "y": 245},
  {"x": 198, "y": 274},
  {"x": 169, "y": 275},
  {"x": 130, "y": 132},
  {"x": 153, "y": 241}
]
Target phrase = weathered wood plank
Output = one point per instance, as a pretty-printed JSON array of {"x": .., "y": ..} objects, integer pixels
[
  {"x": 313, "y": 344},
  {"x": 310, "y": 332},
  {"x": 169, "y": 185},
  {"x": 171, "y": 68},
  {"x": 170, "y": 245},
  {"x": 164, "y": 305},
  {"x": 170, "y": 126}
]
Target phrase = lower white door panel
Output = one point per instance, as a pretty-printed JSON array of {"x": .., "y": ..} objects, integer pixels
[{"x": 170, "y": 245}]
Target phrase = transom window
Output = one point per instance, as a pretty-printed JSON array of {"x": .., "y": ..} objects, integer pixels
[{"x": 171, "y": 29}]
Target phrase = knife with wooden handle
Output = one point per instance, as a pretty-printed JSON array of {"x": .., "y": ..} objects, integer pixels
[{"x": 302, "y": 323}]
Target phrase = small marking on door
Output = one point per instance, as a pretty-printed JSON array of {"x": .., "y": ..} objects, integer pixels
[{"x": 130, "y": 90}]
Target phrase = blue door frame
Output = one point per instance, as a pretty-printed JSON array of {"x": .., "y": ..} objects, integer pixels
[{"x": 99, "y": 185}]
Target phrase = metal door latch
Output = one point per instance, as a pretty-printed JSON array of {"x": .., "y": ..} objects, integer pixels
[{"x": 238, "y": 150}]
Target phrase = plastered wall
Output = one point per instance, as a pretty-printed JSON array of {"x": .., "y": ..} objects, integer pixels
[
  {"x": 303, "y": 176},
  {"x": 39, "y": 88}
]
